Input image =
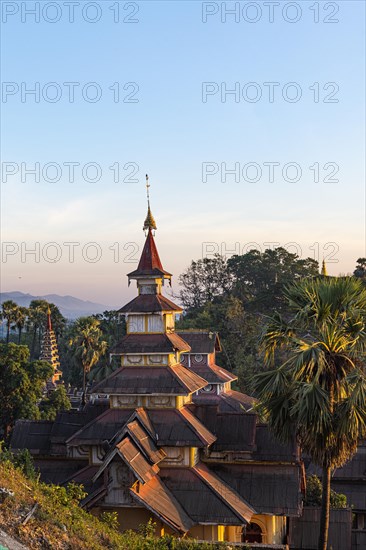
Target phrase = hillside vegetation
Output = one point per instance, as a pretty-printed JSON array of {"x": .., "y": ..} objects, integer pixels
[{"x": 58, "y": 523}]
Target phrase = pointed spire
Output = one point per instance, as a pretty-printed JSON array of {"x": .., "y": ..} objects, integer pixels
[
  {"x": 149, "y": 221},
  {"x": 49, "y": 322},
  {"x": 324, "y": 271},
  {"x": 49, "y": 351},
  {"x": 150, "y": 265}
]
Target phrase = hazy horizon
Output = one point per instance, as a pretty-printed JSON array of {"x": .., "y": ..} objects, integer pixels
[{"x": 250, "y": 126}]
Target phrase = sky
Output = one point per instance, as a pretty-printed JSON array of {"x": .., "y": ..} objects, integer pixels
[{"x": 248, "y": 117}]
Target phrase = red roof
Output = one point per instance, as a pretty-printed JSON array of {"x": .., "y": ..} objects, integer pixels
[
  {"x": 157, "y": 498},
  {"x": 150, "y": 264},
  {"x": 136, "y": 461}
]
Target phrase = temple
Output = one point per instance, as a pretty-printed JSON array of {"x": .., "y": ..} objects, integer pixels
[
  {"x": 49, "y": 353},
  {"x": 166, "y": 437}
]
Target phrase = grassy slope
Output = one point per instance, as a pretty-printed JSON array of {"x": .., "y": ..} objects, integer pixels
[{"x": 59, "y": 523}]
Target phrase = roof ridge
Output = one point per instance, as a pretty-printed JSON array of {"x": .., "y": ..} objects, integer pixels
[
  {"x": 200, "y": 468},
  {"x": 186, "y": 413}
]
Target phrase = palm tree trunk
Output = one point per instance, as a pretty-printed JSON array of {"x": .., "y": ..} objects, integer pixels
[
  {"x": 83, "y": 399},
  {"x": 33, "y": 342},
  {"x": 8, "y": 332},
  {"x": 325, "y": 510}
]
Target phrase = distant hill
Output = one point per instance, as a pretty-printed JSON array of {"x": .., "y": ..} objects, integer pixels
[{"x": 70, "y": 307}]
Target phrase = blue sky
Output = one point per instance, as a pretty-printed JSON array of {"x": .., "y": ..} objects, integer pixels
[{"x": 170, "y": 133}]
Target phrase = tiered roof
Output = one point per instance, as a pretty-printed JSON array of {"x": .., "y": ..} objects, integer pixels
[
  {"x": 233, "y": 469},
  {"x": 49, "y": 350}
]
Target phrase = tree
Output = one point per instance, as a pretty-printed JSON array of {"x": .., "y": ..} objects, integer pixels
[
  {"x": 21, "y": 385},
  {"x": 259, "y": 278},
  {"x": 37, "y": 320},
  {"x": 203, "y": 281},
  {"x": 55, "y": 402},
  {"x": 87, "y": 345},
  {"x": 360, "y": 269},
  {"x": 111, "y": 325},
  {"x": 20, "y": 317},
  {"x": 8, "y": 313},
  {"x": 318, "y": 393}
]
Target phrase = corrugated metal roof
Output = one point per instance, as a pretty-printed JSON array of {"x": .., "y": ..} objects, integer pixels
[
  {"x": 157, "y": 498},
  {"x": 150, "y": 343},
  {"x": 179, "y": 427},
  {"x": 234, "y": 431},
  {"x": 141, "y": 380},
  {"x": 136, "y": 461},
  {"x": 214, "y": 374},
  {"x": 270, "y": 489},
  {"x": 355, "y": 492},
  {"x": 150, "y": 303},
  {"x": 269, "y": 448},
  {"x": 231, "y": 497},
  {"x": 201, "y": 341},
  {"x": 32, "y": 435},
  {"x": 58, "y": 471},
  {"x": 101, "y": 429},
  {"x": 202, "y": 501},
  {"x": 145, "y": 442}
]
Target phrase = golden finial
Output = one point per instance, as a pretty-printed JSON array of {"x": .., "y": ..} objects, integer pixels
[
  {"x": 48, "y": 310},
  {"x": 324, "y": 271},
  {"x": 149, "y": 221}
]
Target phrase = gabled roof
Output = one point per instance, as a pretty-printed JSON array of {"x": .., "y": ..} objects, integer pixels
[
  {"x": 214, "y": 374},
  {"x": 231, "y": 497},
  {"x": 149, "y": 264},
  {"x": 143, "y": 440},
  {"x": 226, "y": 402},
  {"x": 136, "y": 461},
  {"x": 270, "y": 488},
  {"x": 235, "y": 431},
  {"x": 32, "y": 435},
  {"x": 201, "y": 341},
  {"x": 143, "y": 380},
  {"x": 150, "y": 343},
  {"x": 150, "y": 303},
  {"x": 155, "y": 496},
  {"x": 58, "y": 471},
  {"x": 205, "y": 497},
  {"x": 179, "y": 427},
  {"x": 100, "y": 429}
]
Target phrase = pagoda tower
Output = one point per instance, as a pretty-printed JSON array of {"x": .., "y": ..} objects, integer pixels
[
  {"x": 164, "y": 436},
  {"x": 49, "y": 351}
]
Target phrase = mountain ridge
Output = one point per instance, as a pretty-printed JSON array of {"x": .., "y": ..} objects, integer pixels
[{"x": 70, "y": 306}]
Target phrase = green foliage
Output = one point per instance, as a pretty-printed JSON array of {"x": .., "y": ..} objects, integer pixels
[
  {"x": 314, "y": 491},
  {"x": 55, "y": 402},
  {"x": 204, "y": 280},
  {"x": 21, "y": 385},
  {"x": 110, "y": 519},
  {"x": 235, "y": 299},
  {"x": 36, "y": 323},
  {"x": 59, "y": 522},
  {"x": 87, "y": 345},
  {"x": 22, "y": 460},
  {"x": 318, "y": 393},
  {"x": 147, "y": 529},
  {"x": 360, "y": 269}
]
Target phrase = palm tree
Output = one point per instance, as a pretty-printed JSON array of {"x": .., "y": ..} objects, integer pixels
[
  {"x": 88, "y": 345},
  {"x": 36, "y": 322},
  {"x": 8, "y": 313},
  {"x": 20, "y": 318},
  {"x": 318, "y": 393}
]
